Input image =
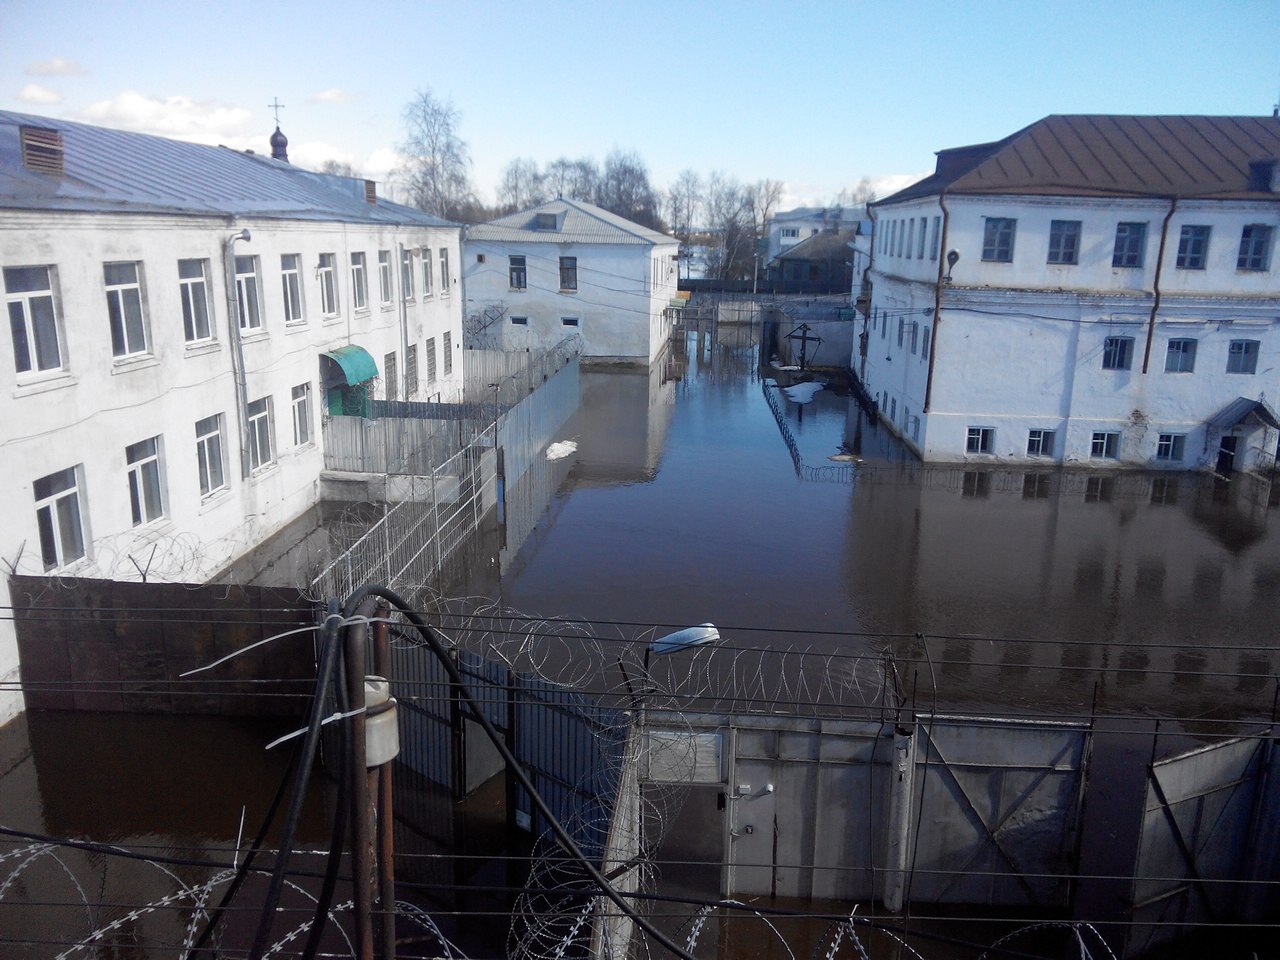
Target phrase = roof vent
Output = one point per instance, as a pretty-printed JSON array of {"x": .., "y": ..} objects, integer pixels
[
  {"x": 1262, "y": 175},
  {"x": 42, "y": 151},
  {"x": 544, "y": 221},
  {"x": 370, "y": 191}
]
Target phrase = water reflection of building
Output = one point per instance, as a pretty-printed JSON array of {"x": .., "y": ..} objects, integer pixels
[
  {"x": 1156, "y": 586},
  {"x": 1093, "y": 289},
  {"x": 622, "y": 425}
]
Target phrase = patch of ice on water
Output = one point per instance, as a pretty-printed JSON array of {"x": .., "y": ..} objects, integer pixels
[{"x": 561, "y": 449}]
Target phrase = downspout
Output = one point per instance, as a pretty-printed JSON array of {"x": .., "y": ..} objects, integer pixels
[
  {"x": 237, "y": 346},
  {"x": 1155, "y": 286},
  {"x": 937, "y": 298},
  {"x": 404, "y": 321}
]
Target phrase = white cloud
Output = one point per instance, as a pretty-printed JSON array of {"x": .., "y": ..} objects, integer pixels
[
  {"x": 180, "y": 117},
  {"x": 34, "y": 93},
  {"x": 312, "y": 155},
  {"x": 333, "y": 95},
  {"x": 57, "y": 67},
  {"x": 379, "y": 164}
]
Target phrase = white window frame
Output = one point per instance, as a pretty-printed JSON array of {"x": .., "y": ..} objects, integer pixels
[
  {"x": 935, "y": 238},
  {"x": 427, "y": 266},
  {"x": 790, "y": 233},
  {"x": 35, "y": 312},
  {"x": 327, "y": 274},
  {"x": 359, "y": 282},
  {"x": 980, "y": 440},
  {"x": 1180, "y": 355},
  {"x": 386, "y": 293},
  {"x": 1242, "y": 356},
  {"x": 1040, "y": 443},
  {"x": 261, "y": 434},
  {"x": 1117, "y": 353},
  {"x": 248, "y": 305},
  {"x": 1171, "y": 447},
  {"x": 197, "y": 316},
  {"x": 145, "y": 464},
  {"x": 444, "y": 271},
  {"x": 1104, "y": 445},
  {"x": 406, "y": 275},
  {"x": 126, "y": 310},
  {"x": 291, "y": 286},
  {"x": 210, "y": 455},
  {"x": 59, "y": 518},
  {"x": 300, "y": 404}
]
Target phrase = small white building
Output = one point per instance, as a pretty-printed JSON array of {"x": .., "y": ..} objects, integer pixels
[
  {"x": 1092, "y": 289},
  {"x": 566, "y": 267},
  {"x": 181, "y": 318},
  {"x": 789, "y": 227}
]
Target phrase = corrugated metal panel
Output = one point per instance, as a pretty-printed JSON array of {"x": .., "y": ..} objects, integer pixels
[{"x": 579, "y": 222}]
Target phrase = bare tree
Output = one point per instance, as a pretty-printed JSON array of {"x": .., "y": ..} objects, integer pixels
[
  {"x": 572, "y": 179},
  {"x": 729, "y": 220},
  {"x": 437, "y": 163},
  {"x": 684, "y": 203},
  {"x": 522, "y": 186},
  {"x": 763, "y": 195},
  {"x": 624, "y": 189},
  {"x": 340, "y": 168}
]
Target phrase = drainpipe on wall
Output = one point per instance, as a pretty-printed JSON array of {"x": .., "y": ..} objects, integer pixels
[
  {"x": 937, "y": 297},
  {"x": 404, "y": 324},
  {"x": 1155, "y": 286},
  {"x": 237, "y": 345}
]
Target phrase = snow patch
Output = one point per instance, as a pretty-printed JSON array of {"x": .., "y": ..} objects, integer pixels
[
  {"x": 802, "y": 392},
  {"x": 561, "y": 449}
]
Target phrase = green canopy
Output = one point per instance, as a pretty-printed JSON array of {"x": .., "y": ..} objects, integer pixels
[{"x": 356, "y": 364}]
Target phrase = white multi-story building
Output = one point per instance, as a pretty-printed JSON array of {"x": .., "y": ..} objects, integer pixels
[
  {"x": 567, "y": 267},
  {"x": 181, "y": 318},
  {"x": 1092, "y": 289},
  {"x": 790, "y": 227}
]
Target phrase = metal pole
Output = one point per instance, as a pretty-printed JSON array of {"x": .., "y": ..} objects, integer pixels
[
  {"x": 361, "y": 839},
  {"x": 385, "y": 823}
]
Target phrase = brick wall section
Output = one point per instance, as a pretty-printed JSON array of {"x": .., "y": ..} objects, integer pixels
[{"x": 103, "y": 646}]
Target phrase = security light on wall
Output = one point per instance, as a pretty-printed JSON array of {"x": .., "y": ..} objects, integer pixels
[{"x": 953, "y": 257}]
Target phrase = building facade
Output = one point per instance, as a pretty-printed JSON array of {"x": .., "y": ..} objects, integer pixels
[
  {"x": 569, "y": 267},
  {"x": 181, "y": 320},
  {"x": 1094, "y": 290},
  {"x": 790, "y": 227}
]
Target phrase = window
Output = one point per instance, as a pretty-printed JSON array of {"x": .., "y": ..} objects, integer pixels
[
  {"x": 519, "y": 321},
  {"x": 1036, "y": 486},
  {"x": 391, "y": 371},
  {"x": 924, "y": 345},
  {"x": 1099, "y": 489},
  {"x": 1164, "y": 490},
  {"x": 1040, "y": 443},
  {"x": 790, "y": 233},
  {"x": 1105, "y": 445},
  {"x": 145, "y": 498},
  {"x": 33, "y": 323},
  {"x": 359, "y": 283},
  {"x": 1064, "y": 241},
  {"x": 446, "y": 349},
  {"x": 1181, "y": 356},
  {"x": 58, "y": 517},
  {"x": 517, "y": 278},
  {"x": 301, "y": 399},
  {"x": 406, "y": 274},
  {"x": 328, "y": 273},
  {"x": 291, "y": 286},
  {"x": 1117, "y": 353},
  {"x": 997, "y": 239},
  {"x": 1131, "y": 242},
  {"x": 902, "y": 326},
  {"x": 431, "y": 359},
  {"x": 426, "y": 271},
  {"x": 568, "y": 321},
  {"x": 934, "y": 237},
  {"x": 911, "y": 236},
  {"x": 444, "y": 272},
  {"x": 980, "y": 440},
  {"x": 568, "y": 273},
  {"x": 385, "y": 293},
  {"x": 1170, "y": 446},
  {"x": 193, "y": 285},
  {"x": 411, "y": 370},
  {"x": 915, "y": 336},
  {"x": 920, "y": 251},
  {"x": 1242, "y": 356},
  {"x": 209, "y": 454},
  {"x": 1193, "y": 247},
  {"x": 1255, "y": 247},
  {"x": 262, "y": 451},
  {"x": 124, "y": 307},
  {"x": 247, "y": 293},
  {"x": 977, "y": 483}
]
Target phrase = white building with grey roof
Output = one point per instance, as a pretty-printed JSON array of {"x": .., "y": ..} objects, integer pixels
[
  {"x": 568, "y": 267},
  {"x": 1100, "y": 290},
  {"x": 181, "y": 319}
]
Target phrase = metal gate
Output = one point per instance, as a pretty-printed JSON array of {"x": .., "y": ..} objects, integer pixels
[
  {"x": 996, "y": 831},
  {"x": 1209, "y": 843}
]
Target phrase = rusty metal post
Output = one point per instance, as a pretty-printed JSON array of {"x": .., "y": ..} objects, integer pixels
[
  {"x": 385, "y": 816},
  {"x": 361, "y": 877}
]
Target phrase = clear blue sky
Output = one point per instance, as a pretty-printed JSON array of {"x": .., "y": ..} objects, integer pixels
[{"x": 817, "y": 95}]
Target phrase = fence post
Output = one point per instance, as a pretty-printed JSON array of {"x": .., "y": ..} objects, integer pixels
[{"x": 902, "y": 779}]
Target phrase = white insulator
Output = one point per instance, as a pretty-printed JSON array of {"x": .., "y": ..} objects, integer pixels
[{"x": 381, "y": 728}]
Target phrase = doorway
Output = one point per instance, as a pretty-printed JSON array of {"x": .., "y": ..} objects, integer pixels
[{"x": 1227, "y": 456}]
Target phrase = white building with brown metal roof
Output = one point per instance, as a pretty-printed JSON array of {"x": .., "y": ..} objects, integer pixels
[
  {"x": 181, "y": 318},
  {"x": 1092, "y": 289},
  {"x": 568, "y": 267}
]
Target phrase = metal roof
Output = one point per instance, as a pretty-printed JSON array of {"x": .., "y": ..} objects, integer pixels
[
  {"x": 115, "y": 171},
  {"x": 576, "y": 222},
  {"x": 1112, "y": 156},
  {"x": 356, "y": 363},
  {"x": 823, "y": 245},
  {"x": 1241, "y": 409}
]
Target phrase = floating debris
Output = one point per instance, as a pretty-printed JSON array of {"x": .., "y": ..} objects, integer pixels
[
  {"x": 802, "y": 392},
  {"x": 561, "y": 449}
]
